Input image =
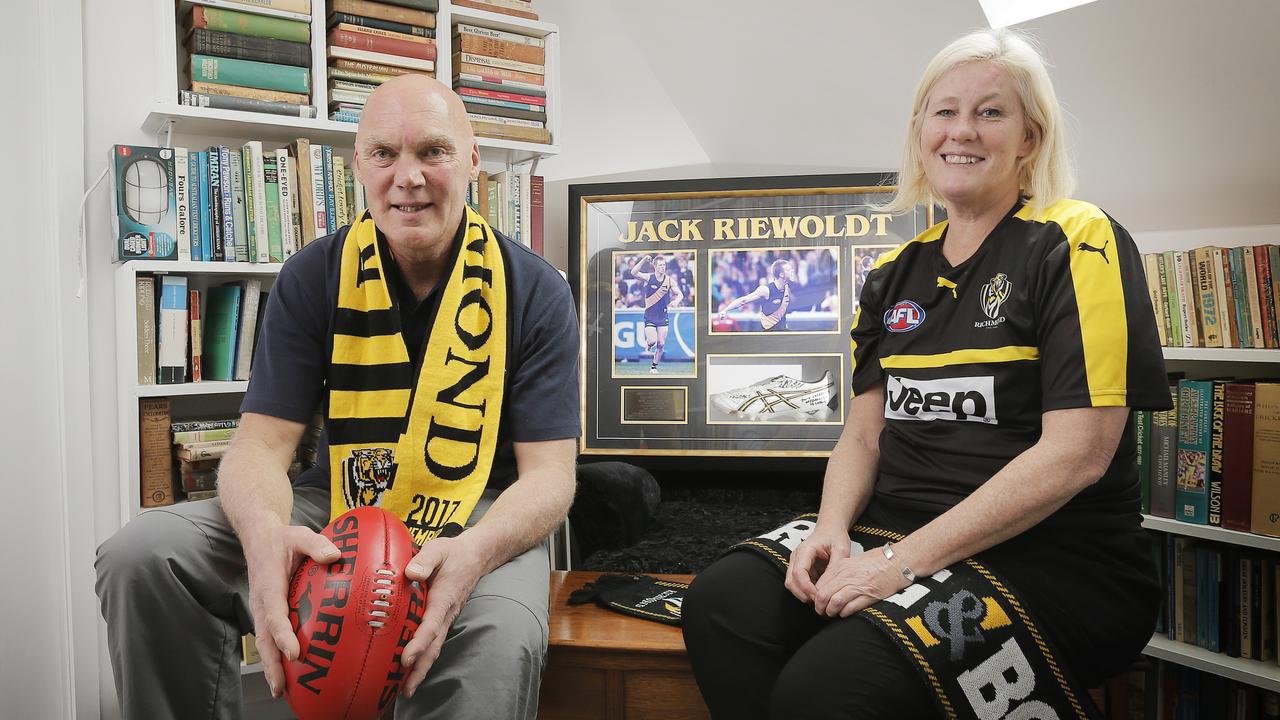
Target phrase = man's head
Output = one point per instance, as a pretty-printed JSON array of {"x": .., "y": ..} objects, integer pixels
[{"x": 415, "y": 155}]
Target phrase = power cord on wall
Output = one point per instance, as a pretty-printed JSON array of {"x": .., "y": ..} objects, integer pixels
[{"x": 82, "y": 249}]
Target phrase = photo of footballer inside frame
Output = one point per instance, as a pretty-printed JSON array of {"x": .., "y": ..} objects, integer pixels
[
  {"x": 775, "y": 389},
  {"x": 864, "y": 258},
  {"x": 775, "y": 290},
  {"x": 654, "y": 314}
]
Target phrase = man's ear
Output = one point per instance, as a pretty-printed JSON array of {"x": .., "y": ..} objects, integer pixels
[{"x": 475, "y": 161}]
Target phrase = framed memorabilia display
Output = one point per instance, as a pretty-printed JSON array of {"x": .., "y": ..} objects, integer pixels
[{"x": 715, "y": 313}]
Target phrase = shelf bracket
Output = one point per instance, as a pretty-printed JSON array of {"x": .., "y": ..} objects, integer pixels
[{"x": 167, "y": 131}]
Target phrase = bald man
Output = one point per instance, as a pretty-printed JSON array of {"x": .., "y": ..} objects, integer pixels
[{"x": 444, "y": 357}]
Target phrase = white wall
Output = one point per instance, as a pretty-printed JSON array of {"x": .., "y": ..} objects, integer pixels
[{"x": 47, "y": 667}]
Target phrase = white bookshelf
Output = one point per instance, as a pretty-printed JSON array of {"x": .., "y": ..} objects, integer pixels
[
  {"x": 167, "y": 118},
  {"x": 1234, "y": 355},
  {"x": 1265, "y": 675},
  {"x": 172, "y": 124},
  {"x": 1210, "y": 532}
]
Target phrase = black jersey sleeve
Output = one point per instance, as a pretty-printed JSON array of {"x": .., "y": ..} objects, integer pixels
[
  {"x": 864, "y": 337},
  {"x": 1097, "y": 332}
]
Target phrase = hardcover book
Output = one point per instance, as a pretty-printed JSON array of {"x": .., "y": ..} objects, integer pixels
[
  {"x": 1195, "y": 404},
  {"x": 173, "y": 329},
  {"x": 155, "y": 458},
  {"x": 1266, "y": 459}
]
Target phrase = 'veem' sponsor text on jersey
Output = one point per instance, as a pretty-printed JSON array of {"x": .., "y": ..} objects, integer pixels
[
  {"x": 903, "y": 316},
  {"x": 965, "y": 399}
]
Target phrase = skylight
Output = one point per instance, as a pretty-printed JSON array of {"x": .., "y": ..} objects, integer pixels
[{"x": 1002, "y": 13}]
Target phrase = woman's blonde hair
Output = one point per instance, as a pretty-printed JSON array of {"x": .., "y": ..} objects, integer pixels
[{"x": 1045, "y": 175}]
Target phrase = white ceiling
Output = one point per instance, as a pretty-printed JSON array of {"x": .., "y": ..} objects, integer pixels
[{"x": 1173, "y": 105}]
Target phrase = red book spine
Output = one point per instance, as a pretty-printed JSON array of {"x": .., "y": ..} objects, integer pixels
[
  {"x": 512, "y": 97},
  {"x": 536, "y": 190},
  {"x": 1237, "y": 457},
  {"x": 382, "y": 44},
  {"x": 1266, "y": 298}
]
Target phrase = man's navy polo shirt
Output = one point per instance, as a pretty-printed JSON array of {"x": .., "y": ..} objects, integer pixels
[{"x": 291, "y": 361}]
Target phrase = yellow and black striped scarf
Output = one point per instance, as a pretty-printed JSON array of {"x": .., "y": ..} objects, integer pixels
[{"x": 420, "y": 447}]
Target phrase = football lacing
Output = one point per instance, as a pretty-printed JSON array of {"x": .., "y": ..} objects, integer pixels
[{"x": 383, "y": 592}]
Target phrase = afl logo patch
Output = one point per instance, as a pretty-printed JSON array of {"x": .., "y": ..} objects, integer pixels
[{"x": 903, "y": 316}]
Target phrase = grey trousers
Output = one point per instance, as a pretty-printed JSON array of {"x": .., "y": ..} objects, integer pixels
[{"x": 174, "y": 592}]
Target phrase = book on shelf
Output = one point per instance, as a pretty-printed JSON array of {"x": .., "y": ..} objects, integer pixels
[
  {"x": 1217, "y": 435},
  {"x": 537, "y": 190},
  {"x": 204, "y": 41},
  {"x": 1237, "y": 456},
  {"x": 340, "y": 191},
  {"x": 383, "y": 11},
  {"x": 248, "y": 93},
  {"x": 330, "y": 197},
  {"x": 248, "y": 23},
  {"x": 504, "y": 7},
  {"x": 1142, "y": 454},
  {"x": 248, "y": 73},
  {"x": 296, "y": 9},
  {"x": 195, "y": 331},
  {"x": 530, "y": 102},
  {"x": 424, "y": 5},
  {"x": 385, "y": 60},
  {"x": 369, "y": 68},
  {"x": 155, "y": 461},
  {"x": 172, "y": 330},
  {"x": 469, "y": 39},
  {"x": 300, "y": 149},
  {"x": 239, "y": 213},
  {"x": 1195, "y": 404},
  {"x": 222, "y": 316},
  {"x": 234, "y": 102},
  {"x": 226, "y": 200},
  {"x": 271, "y": 198},
  {"x": 182, "y": 437},
  {"x": 510, "y": 131},
  {"x": 500, "y": 35},
  {"x": 182, "y": 205},
  {"x": 144, "y": 290},
  {"x": 461, "y": 57},
  {"x": 342, "y": 18},
  {"x": 210, "y": 450},
  {"x": 406, "y": 46},
  {"x": 1164, "y": 459},
  {"x": 1206, "y": 296},
  {"x": 524, "y": 91},
  {"x": 251, "y": 288},
  {"x": 498, "y": 76},
  {"x": 1266, "y": 459},
  {"x": 181, "y": 426},
  {"x": 145, "y": 217},
  {"x": 287, "y": 181}
]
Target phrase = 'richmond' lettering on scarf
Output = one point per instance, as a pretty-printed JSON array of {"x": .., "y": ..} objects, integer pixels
[{"x": 474, "y": 338}]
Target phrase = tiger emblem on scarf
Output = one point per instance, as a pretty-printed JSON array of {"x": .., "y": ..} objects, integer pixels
[{"x": 367, "y": 475}]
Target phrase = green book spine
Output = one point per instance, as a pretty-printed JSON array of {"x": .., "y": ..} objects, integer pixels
[
  {"x": 250, "y": 216},
  {"x": 271, "y": 184},
  {"x": 245, "y": 23},
  {"x": 1243, "y": 313},
  {"x": 249, "y": 73},
  {"x": 1142, "y": 451},
  {"x": 1175, "y": 308},
  {"x": 222, "y": 311},
  {"x": 1195, "y": 406},
  {"x": 239, "y": 205}
]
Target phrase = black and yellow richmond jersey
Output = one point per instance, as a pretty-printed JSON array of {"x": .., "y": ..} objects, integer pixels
[{"x": 1051, "y": 312}]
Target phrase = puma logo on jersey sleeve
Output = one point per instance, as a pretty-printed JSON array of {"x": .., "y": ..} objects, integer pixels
[{"x": 1101, "y": 251}]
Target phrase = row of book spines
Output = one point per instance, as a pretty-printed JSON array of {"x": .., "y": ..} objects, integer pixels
[
  {"x": 263, "y": 213},
  {"x": 515, "y": 8},
  {"x": 512, "y": 203},
  {"x": 1216, "y": 297},
  {"x": 1160, "y": 690},
  {"x": 1214, "y": 459},
  {"x": 1222, "y": 598},
  {"x": 395, "y": 17},
  {"x": 167, "y": 473},
  {"x": 192, "y": 335}
]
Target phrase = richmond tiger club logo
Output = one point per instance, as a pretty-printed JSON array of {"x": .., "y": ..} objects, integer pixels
[
  {"x": 994, "y": 294},
  {"x": 904, "y": 316},
  {"x": 367, "y": 474}
]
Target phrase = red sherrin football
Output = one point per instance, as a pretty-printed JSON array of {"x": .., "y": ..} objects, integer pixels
[{"x": 353, "y": 618}]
